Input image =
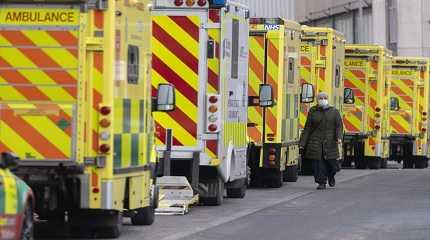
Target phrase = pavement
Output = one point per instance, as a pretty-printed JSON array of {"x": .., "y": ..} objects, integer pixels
[
  {"x": 390, "y": 204},
  {"x": 366, "y": 204}
]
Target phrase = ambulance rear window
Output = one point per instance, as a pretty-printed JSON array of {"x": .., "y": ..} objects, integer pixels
[
  {"x": 133, "y": 64},
  {"x": 235, "y": 50}
]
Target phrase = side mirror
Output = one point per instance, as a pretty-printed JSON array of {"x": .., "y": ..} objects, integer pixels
[
  {"x": 8, "y": 160},
  {"x": 394, "y": 104},
  {"x": 308, "y": 93},
  {"x": 165, "y": 100},
  {"x": 349, "y": 97},
  {"x": 266, "y": 95}
]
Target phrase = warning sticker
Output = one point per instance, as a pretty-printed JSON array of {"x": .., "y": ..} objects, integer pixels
[{"x": 51, "y": 17}]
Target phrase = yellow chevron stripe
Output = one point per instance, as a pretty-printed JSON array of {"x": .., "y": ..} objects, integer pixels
[
  {"x": 50, "y": 131},
  {"x": 16, "y": 143},
  {"x": 179, "y": 132},
  {"x": 181, "y": 100},
  {"x": 405, "y": 88},
  {"x": 11, "y": 193},
  {"x": 174, "y": 62},
  {"x": 177, "y": 33}
]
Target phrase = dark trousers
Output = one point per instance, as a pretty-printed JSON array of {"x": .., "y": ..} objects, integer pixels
[{"x": 325, "y": 168}]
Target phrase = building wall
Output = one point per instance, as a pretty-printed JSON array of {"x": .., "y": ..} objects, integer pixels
[
  {"x": 352, "y": 17},
  {"x": 271, "y": 8}
]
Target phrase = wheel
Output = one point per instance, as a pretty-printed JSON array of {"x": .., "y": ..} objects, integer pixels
[
  {"x": 217, "y": 199},
  {"x": 96, "y": 223},
  {"x": 408, "y": 163},
  {"x": 144, "y": 216},
  {"x": 254, "y": 177},
  {"x": 111, "y": 226},
  {"x": 374, "y": 162},
  {"x": 421, "y": 162},
  {"x": 277, "y": 179},
  {"x": 291, "y": 173},
  {"x": 27, "y": 232},
  {"x": 360, "y": 163},
  {"x": 346, "y": 163},
  {"x": 384, "y": 163},
  {"x": 237, "y": 192}
]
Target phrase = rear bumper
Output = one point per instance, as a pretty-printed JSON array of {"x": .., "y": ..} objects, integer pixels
[{"x": 10, "y": 227}]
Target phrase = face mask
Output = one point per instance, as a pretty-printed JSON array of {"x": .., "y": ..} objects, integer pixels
[{"x": 323, "y": 102}]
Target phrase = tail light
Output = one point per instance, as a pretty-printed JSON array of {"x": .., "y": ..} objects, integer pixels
[
  {"x": 272, "y": 154},
  {"x": 377, "y": 109},
  {"x": 201, "y": 3},
  {"x": 190, "y": 3},
  {"x": 179, "y": 2},
  {"x": 213, "y": 114},
  {"x": 424, "y": 129},
  {"x": 104, "y": 148},
  {"x": 105, "y": 110},
  {"x": 104, "y": 133},
  {"x": 424, "y": 113},
  {"x": 377, "y": 127},
  {"x": 105, "y": 123}
]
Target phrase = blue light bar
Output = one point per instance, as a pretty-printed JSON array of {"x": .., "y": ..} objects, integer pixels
[{"x": 217, "y": 3}]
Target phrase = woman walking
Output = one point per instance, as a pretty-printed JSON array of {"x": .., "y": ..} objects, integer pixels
[{"x": 319, "y": 141}]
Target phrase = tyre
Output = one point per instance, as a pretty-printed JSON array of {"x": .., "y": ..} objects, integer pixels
[
  {"x": 277, "y": 180},
  {"x": 408, "y": 163},
  {"x": 111, "y": 226},
  {"x": 421, "y": 162},
  {"x": 384, "y": 163},
  {"x": 237, "y": 192},
  {"x": 291, "y": 173},
  {"x": 27, "y": 232},
  {"x": 144, "y": 216},
  {"x": 360, "y": 163},
  {"x": 217, "y": 199},
  {"x": 347, "y": 163},
  {"x": 374, "y": 162}
]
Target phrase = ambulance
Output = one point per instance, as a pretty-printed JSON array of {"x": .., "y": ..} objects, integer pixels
[
  {"x": 409, "y": 104},
  {"x": 366, "y": 118},
  {"x": 201, "y": 47},
  {"x": 322, "y": 54},
  {"x": 76, "y": 107},
  {"x": 273, "y": 131}
]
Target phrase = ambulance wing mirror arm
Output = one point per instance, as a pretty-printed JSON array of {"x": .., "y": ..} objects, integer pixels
[
  {"x": 394, "y": 104},
  {"x": 165, "y": 101},
  {"x": 8, "y": 160},
  {"x": 308, "y": 93},
  {"x": 266, "y": 95},
  {"x": 349, "y": 97}
]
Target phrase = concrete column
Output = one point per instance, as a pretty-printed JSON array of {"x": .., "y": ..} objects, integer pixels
[
  {"x": 410, "y": 33},
  {"x": 379, "y": 22}
]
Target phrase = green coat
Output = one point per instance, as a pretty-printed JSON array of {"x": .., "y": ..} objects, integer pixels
[{"x": 322, "y": 130}]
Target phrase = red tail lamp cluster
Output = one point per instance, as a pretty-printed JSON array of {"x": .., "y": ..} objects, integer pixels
[
  {"x": 213, "y": 114},
  {"x": 104, "y": 124},
  {"x": 190, "y": 3}
]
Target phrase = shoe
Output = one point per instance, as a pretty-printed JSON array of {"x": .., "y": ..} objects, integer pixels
[
  {"x": 321, "y": 187},
  {"x": 331, "y": 181}
]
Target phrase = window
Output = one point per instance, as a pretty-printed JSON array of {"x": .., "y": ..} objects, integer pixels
[
  {"x": 291, "y": 71},
  {"x": 235, "y": 50},
  {"x": 337, "y": 77},
  {"x": 133, "y": 65}
]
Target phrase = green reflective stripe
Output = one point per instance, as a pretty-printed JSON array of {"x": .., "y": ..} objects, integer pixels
[
  {"x": 126, "y": 116},
  {"x": 141, "y": 116},
  {"x": 22, "y": 191},
  {"x": 2, "y": 193},
  {"x": 135, "y": 149},
  {"x": 117, "y": 142}
]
